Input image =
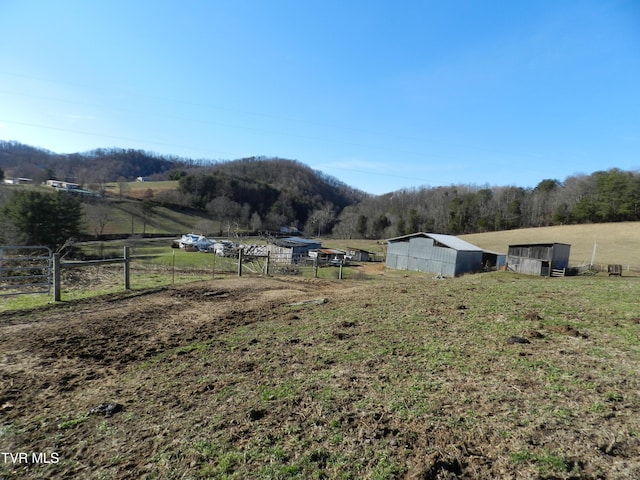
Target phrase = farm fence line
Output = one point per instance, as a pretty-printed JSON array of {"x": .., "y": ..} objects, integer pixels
[{"x": 135, "y": 267}]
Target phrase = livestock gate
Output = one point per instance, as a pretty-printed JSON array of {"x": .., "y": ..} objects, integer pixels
[{"x": 25, "y": 270}]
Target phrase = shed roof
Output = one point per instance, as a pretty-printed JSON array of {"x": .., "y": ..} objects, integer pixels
[
  {"x": 297, "y": 242},
  {"x": 539, "y": 244},
  {"x": 450, "y": 241},
  {"x": 332, "y": 251}
]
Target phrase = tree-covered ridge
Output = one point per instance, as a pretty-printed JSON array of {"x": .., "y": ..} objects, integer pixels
[
  {"x": 604, "y": 196},
  {"x": 259, "y": 193}
]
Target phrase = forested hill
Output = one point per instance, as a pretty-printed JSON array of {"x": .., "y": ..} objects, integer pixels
[
  {"x": 254, "y": 193},
  {"x": 265, "y": 193}
]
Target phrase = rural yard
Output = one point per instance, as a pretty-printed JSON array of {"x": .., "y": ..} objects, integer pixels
[{"x": 390, "y": 375}]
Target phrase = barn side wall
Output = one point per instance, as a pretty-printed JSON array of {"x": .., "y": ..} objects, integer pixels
[
  {"x": 529, "y": 266},
  {"x": 467, "y": 262},
  {"x": 421, "y": 255}
]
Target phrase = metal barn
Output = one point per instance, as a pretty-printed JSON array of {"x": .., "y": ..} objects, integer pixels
[
  {"x": 538, "y": 258},
  {"x": 445, "y": 255}
]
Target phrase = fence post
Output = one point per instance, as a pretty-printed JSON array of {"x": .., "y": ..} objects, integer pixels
[
  {"x": 56, "y": 277},
  {"x": 240, "y": 252},
  {"x": 126, "y": 269},
  {"x": 266, "y": 265},
  {"x": 213, "y": 267},
  {"x": 340, "y": 274},
  {"x": 315, "y": 267},
  {"x": 173, "y": 267}
]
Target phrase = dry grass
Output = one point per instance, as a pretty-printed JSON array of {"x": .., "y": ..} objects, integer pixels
[{"x": 616, "y": 242}]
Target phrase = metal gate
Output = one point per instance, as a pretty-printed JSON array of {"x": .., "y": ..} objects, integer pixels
[{"x": 25, "y": 270}]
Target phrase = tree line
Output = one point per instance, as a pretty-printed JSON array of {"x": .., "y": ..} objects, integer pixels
[{"x": 604, "y": 196}]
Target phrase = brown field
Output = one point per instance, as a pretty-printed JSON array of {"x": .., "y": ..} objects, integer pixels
[
  {"x": 389, "y": 376},
  {"x": 614, "y": 242},
  {"x": 139, "y": 190}
]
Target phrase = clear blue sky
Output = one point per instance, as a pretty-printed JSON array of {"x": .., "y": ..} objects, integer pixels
[{"x": 382, "y": 95}]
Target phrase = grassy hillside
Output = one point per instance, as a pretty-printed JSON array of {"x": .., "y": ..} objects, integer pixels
[
  {"x": 125, "y": 216},
  {"x": 615, "y": 242}
]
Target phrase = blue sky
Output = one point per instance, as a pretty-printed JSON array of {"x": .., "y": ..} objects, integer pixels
[{"x": 382, "y": 95}]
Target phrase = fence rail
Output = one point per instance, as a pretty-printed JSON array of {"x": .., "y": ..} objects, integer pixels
[
  {"x": 25, "y": 270},
  {"x": 58, "y": 265}
]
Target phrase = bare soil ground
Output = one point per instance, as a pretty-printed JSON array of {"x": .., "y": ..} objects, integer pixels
[{"x": 392, "y": 377}]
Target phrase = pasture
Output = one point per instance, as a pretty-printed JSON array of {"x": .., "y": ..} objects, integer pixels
[
  {"x": 390, "y": 375},
  {"x": 612, "y": 243}
]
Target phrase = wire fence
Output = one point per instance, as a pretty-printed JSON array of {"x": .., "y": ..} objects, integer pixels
[{"x": 138, "y": 268}]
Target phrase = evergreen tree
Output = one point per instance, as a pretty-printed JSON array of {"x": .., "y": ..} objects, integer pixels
[{"x": 43, "y": 219}]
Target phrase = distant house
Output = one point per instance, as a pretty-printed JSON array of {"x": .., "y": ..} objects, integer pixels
[
  {"x": 359, "y": 255},
  {"x": 444, "y": 255},
  {"x": 291, "y": 249},
  {"x": 18, "y": 181},
  {"x": 142, "y": 179},
  {"x": 63, "y": 185},
  {"x": 538, "y": 258},
  {"x": 328, "y": 255}
]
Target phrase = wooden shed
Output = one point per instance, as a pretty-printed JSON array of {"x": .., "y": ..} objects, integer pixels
[
  {"x": 444, "y": 255},
  {"x": 359, "y": 255},
  {"x": 538, "y": 258}
]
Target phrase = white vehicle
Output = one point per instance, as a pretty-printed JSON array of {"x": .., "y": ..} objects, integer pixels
[
  {"x": 224, "y": 249},
  {"x": 193, "y": 241}
]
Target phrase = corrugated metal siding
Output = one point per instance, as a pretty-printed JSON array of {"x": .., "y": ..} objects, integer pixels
[
  {"x": 468, "y": 262},
  {"x": 419, "y": 254}
]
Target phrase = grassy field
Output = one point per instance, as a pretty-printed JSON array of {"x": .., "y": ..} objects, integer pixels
[
  {"x": 614, "y": 242},
  {"x": 398, "y": 376},
  {"x": 139, "y": 190}
]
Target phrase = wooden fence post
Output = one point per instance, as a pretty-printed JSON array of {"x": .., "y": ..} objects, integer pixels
[
  {"x": 340, "y": 274},
  {"x": 126, "y": 269},
  {"x": 240, "y": 252},
  {"x": 266, "y": 265},
  {"x": 173, "y": 267},
  {"x": 213, "y": 267},
  {"x": 56, "y": 277}
]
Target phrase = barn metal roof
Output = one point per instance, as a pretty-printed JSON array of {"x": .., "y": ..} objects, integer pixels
[
  {"x": 450, "y": 241},
  {"x": 297, "y": 242}
]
